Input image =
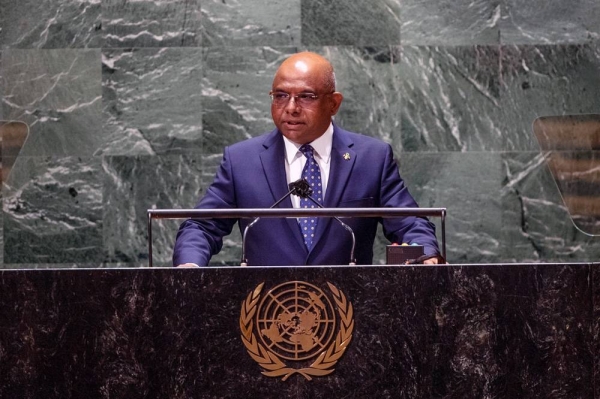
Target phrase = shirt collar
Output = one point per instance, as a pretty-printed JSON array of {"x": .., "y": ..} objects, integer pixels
[{"x": 322, "y": 147}]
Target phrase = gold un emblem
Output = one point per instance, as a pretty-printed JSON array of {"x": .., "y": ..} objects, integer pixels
[{"x": 294, "y": 328}]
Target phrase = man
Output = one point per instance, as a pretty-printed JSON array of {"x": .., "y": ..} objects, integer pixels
[{"x": 345, "y": 170}]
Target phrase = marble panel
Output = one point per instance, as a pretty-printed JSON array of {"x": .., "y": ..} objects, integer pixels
[
  {"x": 450, "y": 22},
  {"x": 28, "y": 24},
  {"x": 545, "y": 81},
  {"x": 450, "y": 99},
  {"x": 549, "y": 21},
  {"x": 1, "y": 87},
  {"x": 52, "y": 211},
  {"x": 235, "y": 93},
  {"x": 468, "y": 185},
  {"x": 2, "y": 164},
  {"x": 535, "y": 221},
  {"x": 152, "y": 101},
  {"x": 134, "y": 184},
  {"x": 358, "y": 23},
  {"x": 368, "y": 79},
  {"x": 58, "y": 94},
  {"x": 150, "y": 23},
  {"x": 250, "y": 23}
]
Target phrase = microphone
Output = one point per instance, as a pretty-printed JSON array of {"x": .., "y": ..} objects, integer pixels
[{"x": 301, "y": 188}]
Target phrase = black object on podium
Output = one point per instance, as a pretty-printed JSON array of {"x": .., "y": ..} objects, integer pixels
[{"x": 403, "y": 254}]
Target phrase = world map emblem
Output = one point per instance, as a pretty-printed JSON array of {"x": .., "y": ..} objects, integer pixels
[{"x": 296, "y": 328}]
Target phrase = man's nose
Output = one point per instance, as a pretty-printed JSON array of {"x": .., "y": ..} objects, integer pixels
[{"x": 292, "y": 105}]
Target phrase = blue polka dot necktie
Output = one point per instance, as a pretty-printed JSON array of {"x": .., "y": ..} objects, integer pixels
[{"x": 312, "y": 174}]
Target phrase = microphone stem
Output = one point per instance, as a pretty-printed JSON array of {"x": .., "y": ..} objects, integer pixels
[
  {"x": 345, "y": 226},
  {"x": 298, "y": 188},
  {"x": 244, "y": 261}
]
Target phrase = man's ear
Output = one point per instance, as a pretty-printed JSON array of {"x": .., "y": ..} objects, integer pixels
[{"x": 336, "y": 101}]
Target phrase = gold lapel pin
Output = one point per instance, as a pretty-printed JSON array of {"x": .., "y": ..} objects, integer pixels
[{"x": 347, "y": 156}]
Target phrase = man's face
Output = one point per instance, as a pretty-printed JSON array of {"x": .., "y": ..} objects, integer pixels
[{"x": 303, "y": 123}]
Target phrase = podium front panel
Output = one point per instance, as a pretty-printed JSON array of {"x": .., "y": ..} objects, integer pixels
[{"x": 452, "y": 331}]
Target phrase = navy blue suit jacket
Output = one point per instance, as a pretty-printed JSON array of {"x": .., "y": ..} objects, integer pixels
[{"x": 252, "y": 175}]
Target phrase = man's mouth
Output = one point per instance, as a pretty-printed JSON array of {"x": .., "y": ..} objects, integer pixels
[{"x": 293, "y": 123}]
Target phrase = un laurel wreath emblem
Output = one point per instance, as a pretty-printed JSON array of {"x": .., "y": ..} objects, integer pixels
[{"x": 296, "y": 323}]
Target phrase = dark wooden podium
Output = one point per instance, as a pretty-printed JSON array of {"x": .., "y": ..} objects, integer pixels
[{"x": 454, "y": 331}]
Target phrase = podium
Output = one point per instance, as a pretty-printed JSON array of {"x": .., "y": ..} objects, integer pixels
[{"x": 451, "y": 331}]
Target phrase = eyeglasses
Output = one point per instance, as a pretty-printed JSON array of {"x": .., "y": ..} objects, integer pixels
[{"x": 281, "y": 98}]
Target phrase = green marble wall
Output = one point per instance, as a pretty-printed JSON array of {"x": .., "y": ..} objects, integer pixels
[{"x": 130, "y": 104}]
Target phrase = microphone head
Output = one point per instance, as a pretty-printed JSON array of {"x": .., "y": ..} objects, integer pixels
[{"x": 301, "y": 188}]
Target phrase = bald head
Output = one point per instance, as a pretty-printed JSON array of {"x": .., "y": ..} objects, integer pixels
[{"x": 310, "y": 64}]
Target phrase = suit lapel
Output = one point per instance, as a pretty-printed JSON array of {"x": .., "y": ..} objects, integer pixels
[
  {"x": 272, "y": 159},
  {"x": 342, "y": 162}
]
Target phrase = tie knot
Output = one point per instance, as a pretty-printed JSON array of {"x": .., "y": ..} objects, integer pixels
[{"x": 307, "y": 150}]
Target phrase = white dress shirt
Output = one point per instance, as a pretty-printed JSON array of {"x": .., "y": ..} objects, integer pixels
[{"x": 295, "y": 160}]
